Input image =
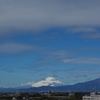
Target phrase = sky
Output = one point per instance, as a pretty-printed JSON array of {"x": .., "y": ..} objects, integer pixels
[{"x": 49, "y": 42}]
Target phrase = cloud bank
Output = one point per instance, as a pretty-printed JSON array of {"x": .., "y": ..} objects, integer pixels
[{"x": 36, "y": 15}]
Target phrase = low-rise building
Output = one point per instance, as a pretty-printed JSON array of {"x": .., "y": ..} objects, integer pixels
[{"x": 92, "y": 96}]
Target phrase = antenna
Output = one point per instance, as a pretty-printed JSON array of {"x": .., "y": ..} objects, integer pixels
[{"x": 94, "y": 89}]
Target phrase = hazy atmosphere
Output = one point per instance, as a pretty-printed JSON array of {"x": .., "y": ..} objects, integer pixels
[{"x": 49, "y": 42}]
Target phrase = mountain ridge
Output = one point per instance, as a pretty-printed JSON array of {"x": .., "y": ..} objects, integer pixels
[{"x": 88, "y": 86}]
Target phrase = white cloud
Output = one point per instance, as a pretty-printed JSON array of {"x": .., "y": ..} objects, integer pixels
[
  {"x": 80, "y": 29},
  {"x": 27, "y": 84},
  {"x": 82, "y": 60},
  {"x": 15, "y": 48},
  {"x": 49, "y": 81},
  {"x": 92, "y": 35}
]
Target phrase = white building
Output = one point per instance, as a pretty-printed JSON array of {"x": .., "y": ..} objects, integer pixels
[{"x": 93, "y": 96}]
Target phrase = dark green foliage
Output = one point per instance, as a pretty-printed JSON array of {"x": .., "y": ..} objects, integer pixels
[{"x": 42, "y": 96}]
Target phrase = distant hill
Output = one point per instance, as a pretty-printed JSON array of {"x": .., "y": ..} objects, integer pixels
[{"x": 79, "y": 87}]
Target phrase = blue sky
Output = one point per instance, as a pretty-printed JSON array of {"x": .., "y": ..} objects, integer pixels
[{"x": 55, "y": 41}]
